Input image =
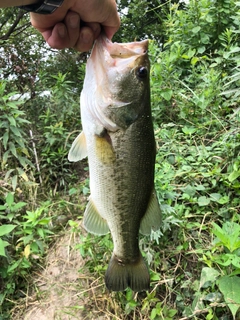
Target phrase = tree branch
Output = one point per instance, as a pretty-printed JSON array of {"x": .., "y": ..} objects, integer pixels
[{"x": 13, "y": 26}]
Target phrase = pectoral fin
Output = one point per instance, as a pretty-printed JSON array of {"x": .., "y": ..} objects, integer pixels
[
  {"x": 78, "y": 149},
  {"x": 93, "y": 222},
  {"x": 153, "y": 218},
  {"x": 104, "y": 149}
]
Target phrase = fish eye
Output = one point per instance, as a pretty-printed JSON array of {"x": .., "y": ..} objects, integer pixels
[{"x": 142, "y": 72}]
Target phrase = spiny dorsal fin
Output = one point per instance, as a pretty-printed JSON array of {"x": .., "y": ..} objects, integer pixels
[
  {"x": 153, "y": 218},
  {"x": 78, "y": 149},
  {"x": 93, "y": 222}
]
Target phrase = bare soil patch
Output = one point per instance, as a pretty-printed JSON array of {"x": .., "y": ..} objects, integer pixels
[{"x": 64, "y": 289}]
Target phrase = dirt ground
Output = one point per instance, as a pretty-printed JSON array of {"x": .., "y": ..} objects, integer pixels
[{"x": 63, "y": 290}]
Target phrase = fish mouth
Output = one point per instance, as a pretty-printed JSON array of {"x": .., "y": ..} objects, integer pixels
[{"x": 116, "y": 54}]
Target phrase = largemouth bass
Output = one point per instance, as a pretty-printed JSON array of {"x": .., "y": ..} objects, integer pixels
[{"x": 118, "y": 139}]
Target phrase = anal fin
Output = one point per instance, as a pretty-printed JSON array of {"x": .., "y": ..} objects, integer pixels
[
  {"x": 152, "y": 219},
  {"x": 93, "y": 222}
]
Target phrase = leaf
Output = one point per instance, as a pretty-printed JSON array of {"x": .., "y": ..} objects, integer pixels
[
  {"x": 196, "y": 29},
  {"x": 215, "y": 196},
  {"x": 13, "y": 149},
  {"x": 5, "y": 157},
  {"x": 166, "y": 93},
  {"x": 222, "y": 236},
  {"x": 203, "y": 201},
  {"x": 3, "y": 244},
  {"x": 208, "y": 276},
  {"x": 223, "y": 200},
  {"x": 233, "y": 176},
  {"x": 12, "y": 121},
  {"x": 15, "y": 131},
  {"x": 14, "y": 182},
  {"x": 27, "y": 251},
  {"x": 194, "y": 60},
  {"x": 9, "y": 199},
  {"x": 6, "y": 228},
  {"x": 189, "y": 130},
  {"x": 230, "y": 288},
  {"x": 5, "y": 139}
]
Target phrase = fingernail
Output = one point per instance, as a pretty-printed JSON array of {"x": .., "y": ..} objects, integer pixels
[
  {"x": 74, "y": 21},
  {"x": 86, "y": 38},
  {"x": 62, "y": 31}
]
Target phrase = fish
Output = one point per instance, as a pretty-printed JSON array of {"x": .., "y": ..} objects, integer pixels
[{"x": 118, "y": 139}]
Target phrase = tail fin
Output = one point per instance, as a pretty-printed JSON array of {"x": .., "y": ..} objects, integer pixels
[{"x": 121, "y": 275}]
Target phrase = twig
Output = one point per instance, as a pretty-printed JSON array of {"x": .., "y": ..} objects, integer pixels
[{"x": 36, "y": 157}]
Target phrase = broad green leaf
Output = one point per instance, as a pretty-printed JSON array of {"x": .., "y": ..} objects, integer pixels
[
  {"x": 5, "y": 139},
  {"x": 230, "y": 288},
  {"x": 5, "y": 157},
  {"x": 233, "y": 176},
  {"x": 13, "y": 149},
  {"x": 222, "y": 236},
  {"x": 15, "y": 131},
  {"x": 6, "y": 228},
  {"x": 14, "y": 182},
  {"x": 223, "y": 200},
  {"x": 166, "y": 93},
  {"x": 12, "y": 121},
  {"x": 215, "y": 196},
  {"x": 194, "y": 60},
  {"x": 189, "y": 130},
  {"x": 203, "y": 201},
  {"x": 208, "y": 276},
  {"x": 3, "y": 244},
  {"x": 9, "y": 199},
  {"x": 196, "y": 29},
  {"x": 19, "y": 205}
]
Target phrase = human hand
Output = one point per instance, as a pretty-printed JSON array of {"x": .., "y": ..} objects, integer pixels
[{"x": 62, "y": 28}]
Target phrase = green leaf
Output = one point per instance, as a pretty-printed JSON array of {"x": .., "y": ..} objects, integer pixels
[
  {"x": 203, "y": 201},
  {"x": 14, "y": 182},
  {"x": 5, "y": 139},
  {"x": 233, "y": 176},
  {"x": 208, "y": 276},
  {"x": 215, "y": 196},
  {"x": 194, "y": 60},
  {"x": 3, "y": 244},
  {"x": 6, "y": 228},
  {"x": 189, "y": 130},
  {"x": 222, "y": 236},
  {"x": 12, "y": 121},
  {"x": 13, "y": 149},
  {"x": 196, "y": 29},
  {"x": 5, "y": 157},
  {"x": 9, "y": 199},
  {"x": 166, "y": 93},
  {"x": 15, "y": 131},
  {"x": 230, "y": 288}
]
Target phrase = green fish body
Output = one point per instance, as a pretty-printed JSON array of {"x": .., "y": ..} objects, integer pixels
[{"x": 118, "y": 139}]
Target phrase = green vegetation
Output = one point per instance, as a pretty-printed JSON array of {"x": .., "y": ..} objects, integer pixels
[{"x": 195, "y": 75}]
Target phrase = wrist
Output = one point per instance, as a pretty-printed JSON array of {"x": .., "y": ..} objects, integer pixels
[{"x": 43, "y": 6}]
